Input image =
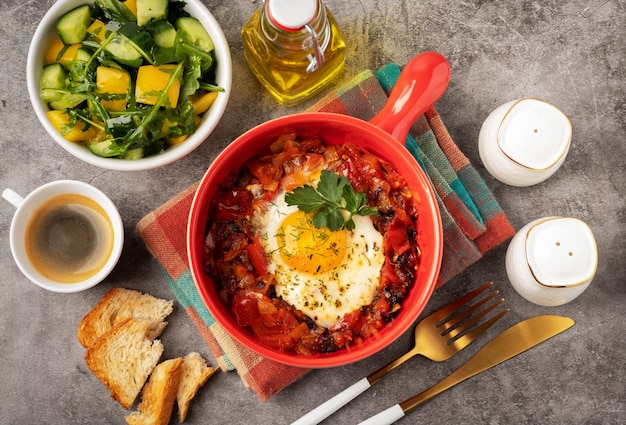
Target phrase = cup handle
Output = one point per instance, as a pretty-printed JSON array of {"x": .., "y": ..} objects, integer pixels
[{"x": 11, "y": 196}]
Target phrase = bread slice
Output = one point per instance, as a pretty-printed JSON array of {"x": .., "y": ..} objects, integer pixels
[
  {"x": 195, "y": 373},
  {"x": 159, "y": 394},
  {"x": 124, "y": 356},
  {"x": 118, "y": 305}
]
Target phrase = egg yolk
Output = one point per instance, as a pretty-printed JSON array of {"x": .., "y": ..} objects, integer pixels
[{"x": 308, "y": 249}]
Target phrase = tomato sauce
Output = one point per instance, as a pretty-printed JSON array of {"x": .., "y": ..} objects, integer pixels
[{"x": 237, "y": 263}]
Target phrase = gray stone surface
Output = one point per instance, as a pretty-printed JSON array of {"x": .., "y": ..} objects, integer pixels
[{"x": 570, "y": 53}]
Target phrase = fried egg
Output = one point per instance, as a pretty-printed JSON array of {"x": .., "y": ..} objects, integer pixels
[{"x": 325, "y": 274}]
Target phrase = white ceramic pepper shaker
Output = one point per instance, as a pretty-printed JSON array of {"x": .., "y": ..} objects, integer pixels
[
  {"x": 552, "y": 260},
  {"x": 523, "y": 142}
]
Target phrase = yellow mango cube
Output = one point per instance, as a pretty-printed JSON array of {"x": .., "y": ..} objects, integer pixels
[
  {"x": 201, "y": 104},
  {"x": 79, "y": 133},
  {"x": 171, "y": 141},
  {"x": 69, "y": 54},
  {"x": 113, "y": 81},
  {"x": 97, "y": 30},
  {"x": 53, "y": 51},
  {"x": 61, "y": 53},
  {"x": 132, "y": 5},
  {"x": 152, "y": 80}
]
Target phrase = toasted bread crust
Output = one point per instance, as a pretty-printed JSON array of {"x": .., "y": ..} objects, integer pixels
[
  {"x": 123, "y": 358},
  {"x": 159, "y": 394},
  {"x": 122, "y": 352},
  {"x": 118, "y": 305},
  {"x": 195, "y": 373}
]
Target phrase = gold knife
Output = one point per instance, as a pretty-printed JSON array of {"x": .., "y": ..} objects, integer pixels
[{"x": 515, "y": 340}]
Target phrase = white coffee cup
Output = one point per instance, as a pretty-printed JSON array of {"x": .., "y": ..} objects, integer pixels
[{"x": 66, "y": 236}]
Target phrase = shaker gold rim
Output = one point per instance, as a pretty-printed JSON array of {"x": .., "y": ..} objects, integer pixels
[
  {"x": 563, "y": 151},
  {"x": 545, "y": 284}
]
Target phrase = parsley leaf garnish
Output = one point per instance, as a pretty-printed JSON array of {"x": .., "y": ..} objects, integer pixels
[{"x": 334, "y": 195}]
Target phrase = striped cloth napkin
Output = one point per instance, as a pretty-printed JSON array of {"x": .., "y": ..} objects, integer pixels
[{"x": 473, "y": 223}]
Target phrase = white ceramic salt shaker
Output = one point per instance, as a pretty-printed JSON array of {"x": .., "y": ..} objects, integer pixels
[
  {"x": 552, "y": 260},
  {"x": 523, "y": 142}
]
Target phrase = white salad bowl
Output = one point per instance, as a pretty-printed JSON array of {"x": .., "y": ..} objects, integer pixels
[{"x": 36, "y": 56}]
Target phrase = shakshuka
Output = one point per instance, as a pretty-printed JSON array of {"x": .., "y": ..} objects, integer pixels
[{"x": 302, "y": 288}]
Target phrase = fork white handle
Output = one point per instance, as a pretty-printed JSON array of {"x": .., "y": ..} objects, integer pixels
[
  {"x": 386, "y": 417},
  {"x": 330, "y": 406},
  {"x": 513, "y": 341}
]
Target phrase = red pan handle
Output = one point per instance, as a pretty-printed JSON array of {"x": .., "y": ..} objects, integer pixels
[{"x": 421, "y": 83}]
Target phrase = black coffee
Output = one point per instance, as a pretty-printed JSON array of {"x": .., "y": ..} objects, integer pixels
[{"x": 69, "y": 238}]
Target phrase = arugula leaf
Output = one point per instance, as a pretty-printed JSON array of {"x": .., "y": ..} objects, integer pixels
[
  {"x": 185, "y": 49},
  {"x": 210, "y": 87},
  {"x": 120, "y": 126},
  {"x": 333, "y": 197},
  {"x": 176, "y": 9},
  {"x": 116, "y": 10},
  {"x": 141, "y": 40},
  {"x": 192, "y": 74},
  {"x": 138, "y": 125}
]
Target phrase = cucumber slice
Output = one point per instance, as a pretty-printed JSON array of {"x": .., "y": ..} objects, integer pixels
[
  {"x": 123, "y": 51},
  {"x": 83, "y": 55},
  {"x": 72, "y": 27},
  {"x": 67, "y": 100},
  {"x": 151, "y": 10},
  {"x": 106, "y": 148},
  {"x": 49, "y": 95},
  {"x": 53, "y": 76},
  {"x": 136, "y": 153},
  {"x": 140, "y": 39},
  {"x": 163, "y": 33},
  {"x": 193, "y": 32}
]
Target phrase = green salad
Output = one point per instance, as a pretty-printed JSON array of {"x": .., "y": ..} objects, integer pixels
[{"x": 129, "y": 78}]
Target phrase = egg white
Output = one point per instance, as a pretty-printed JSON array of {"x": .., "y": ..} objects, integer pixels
[{"x": 325, "y": 296}]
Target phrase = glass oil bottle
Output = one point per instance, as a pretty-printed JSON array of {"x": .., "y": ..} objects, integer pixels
[{"x": 294, "y": 48}]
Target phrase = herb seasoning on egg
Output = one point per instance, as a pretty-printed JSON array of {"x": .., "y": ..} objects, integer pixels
[{"x": 322, "y": 246}]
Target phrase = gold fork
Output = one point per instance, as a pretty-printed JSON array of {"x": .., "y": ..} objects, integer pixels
[{"x": 437, "y": 337}]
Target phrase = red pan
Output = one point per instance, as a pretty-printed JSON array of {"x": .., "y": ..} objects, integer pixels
[{"x": 422, "y": 81}]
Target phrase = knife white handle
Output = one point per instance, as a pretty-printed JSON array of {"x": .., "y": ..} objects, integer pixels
[
  {"x": 386, "y": 417},
  {"x": 329, "y": 407},
  {"x": 513, "y": 341}
]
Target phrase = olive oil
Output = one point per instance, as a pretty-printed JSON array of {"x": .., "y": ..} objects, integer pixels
[{"x": 294, "y": 59}]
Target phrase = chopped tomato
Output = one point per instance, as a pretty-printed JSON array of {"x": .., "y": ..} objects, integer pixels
[
  {"x": 245, "y": 308},
  {"x": 396, "y": 238},
  {"x": 274, "y": 326},
  {"x": 265, "y": 172},
  {"x": 257, "y": 256},
  {"x": 236, "y": 259},
  {"x": 233, "y": 204}
]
